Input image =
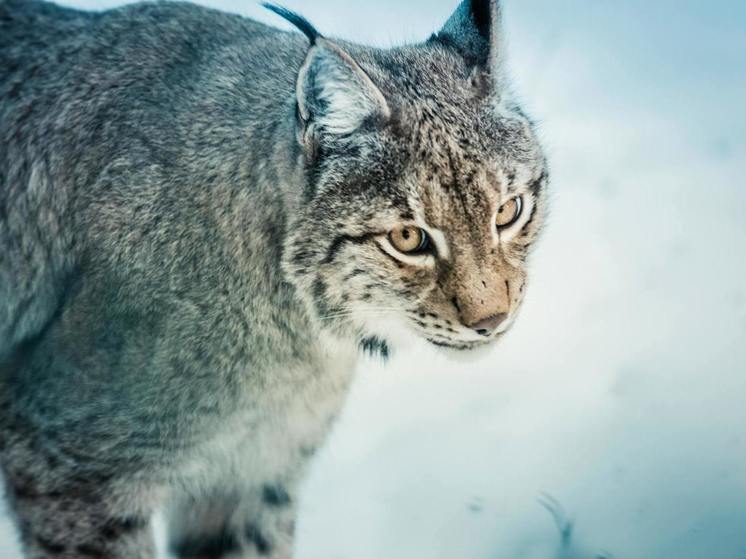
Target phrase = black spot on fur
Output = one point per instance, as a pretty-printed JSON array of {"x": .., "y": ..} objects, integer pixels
[
  {"x": 216, "y": 545},
  {"x": 24, "y": 488},
  {"x": 537, "y": 185},
  {"x": 353, "y": 273},
  {"x": 307, "y": 451},
  {"x": 53, "y": 548},
  {"x": 301, "y": 257},
  {"x": 117, "y": 527},
  {"x": 52, "y": 461},
  {"x": 511, "y": 178},
  {"x": 318, "y": 291},
  {"x": 86, "y": 550},
  {"x": 254, "y": 536},
  {"x": 375, "y": 346},
  {"x": 275, "y": 495}
]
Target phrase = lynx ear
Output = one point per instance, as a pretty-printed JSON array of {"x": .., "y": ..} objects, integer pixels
[
  {"x": 334, "y": 94},
  {"x": 474, "y": 30}
]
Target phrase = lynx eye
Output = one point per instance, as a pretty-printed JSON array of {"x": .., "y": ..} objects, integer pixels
[
  {"x": 509, "y": 212},
  {"x": 409, "y": 240}
]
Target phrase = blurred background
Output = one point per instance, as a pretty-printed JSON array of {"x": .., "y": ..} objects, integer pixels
[{"x": 618, "y": 400}]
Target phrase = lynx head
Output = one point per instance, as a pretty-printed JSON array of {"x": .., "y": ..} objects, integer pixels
[{"x": 425, "y": 186}]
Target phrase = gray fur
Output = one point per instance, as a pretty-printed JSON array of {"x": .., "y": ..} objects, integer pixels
[{"x": 193, "y": 218}]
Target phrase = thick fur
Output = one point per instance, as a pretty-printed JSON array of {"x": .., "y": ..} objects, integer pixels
[{"x": 193, "y": 219}]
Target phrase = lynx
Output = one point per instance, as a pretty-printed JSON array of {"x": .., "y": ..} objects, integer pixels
[{"x": 203, "y": 221}]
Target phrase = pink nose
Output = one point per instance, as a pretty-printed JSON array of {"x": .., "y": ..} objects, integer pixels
[{"x": 486, "y": 326}]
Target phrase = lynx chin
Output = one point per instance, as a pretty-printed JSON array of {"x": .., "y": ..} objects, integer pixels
[{"x": 203, "y": 221}]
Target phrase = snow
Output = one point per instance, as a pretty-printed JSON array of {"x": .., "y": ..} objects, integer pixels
[{"x": 621, "y": 390}]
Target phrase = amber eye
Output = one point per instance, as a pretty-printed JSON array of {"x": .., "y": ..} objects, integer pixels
[
  {"x": 509, "y": 212},
  {"x": 409, "y": 240}
]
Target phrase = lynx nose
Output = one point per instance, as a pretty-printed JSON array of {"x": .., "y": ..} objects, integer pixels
[{"x": 486, "y": 326}]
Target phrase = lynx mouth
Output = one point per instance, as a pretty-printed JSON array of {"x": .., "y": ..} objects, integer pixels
[
  {"x": 465, "y": 346},
  {"x": 458, "y": 346}
]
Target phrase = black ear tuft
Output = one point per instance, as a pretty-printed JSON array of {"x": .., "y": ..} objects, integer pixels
[
  {"x": 482, "y": 16},
  {"x": 297, "y": 20},
  {"x": 474, "y": 31}
]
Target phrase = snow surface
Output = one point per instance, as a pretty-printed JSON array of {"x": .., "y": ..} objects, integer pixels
[{"x": 621, "y": 391}]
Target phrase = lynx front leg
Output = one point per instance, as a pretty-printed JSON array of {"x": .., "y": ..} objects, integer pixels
[
  {"x": 251, "y": 523},
  {"x": 75, "y": 523},
  {"x": 65, "y": 511}
]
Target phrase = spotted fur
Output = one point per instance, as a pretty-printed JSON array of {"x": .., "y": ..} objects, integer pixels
[{"x": 194, "y": 219}]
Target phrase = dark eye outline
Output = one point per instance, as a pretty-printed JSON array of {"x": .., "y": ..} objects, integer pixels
[
  {"x": 519, "y": 210},
  {"x": 425, "y": 246}
]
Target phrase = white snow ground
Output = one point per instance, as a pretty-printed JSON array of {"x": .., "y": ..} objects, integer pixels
[{"x": 621, "y": 391}]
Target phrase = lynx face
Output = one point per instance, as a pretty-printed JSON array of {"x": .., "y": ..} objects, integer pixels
[{"x": 427, "y": 188}]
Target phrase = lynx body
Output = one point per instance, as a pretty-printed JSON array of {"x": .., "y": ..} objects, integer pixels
[{"x": 202, "y": 220}]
